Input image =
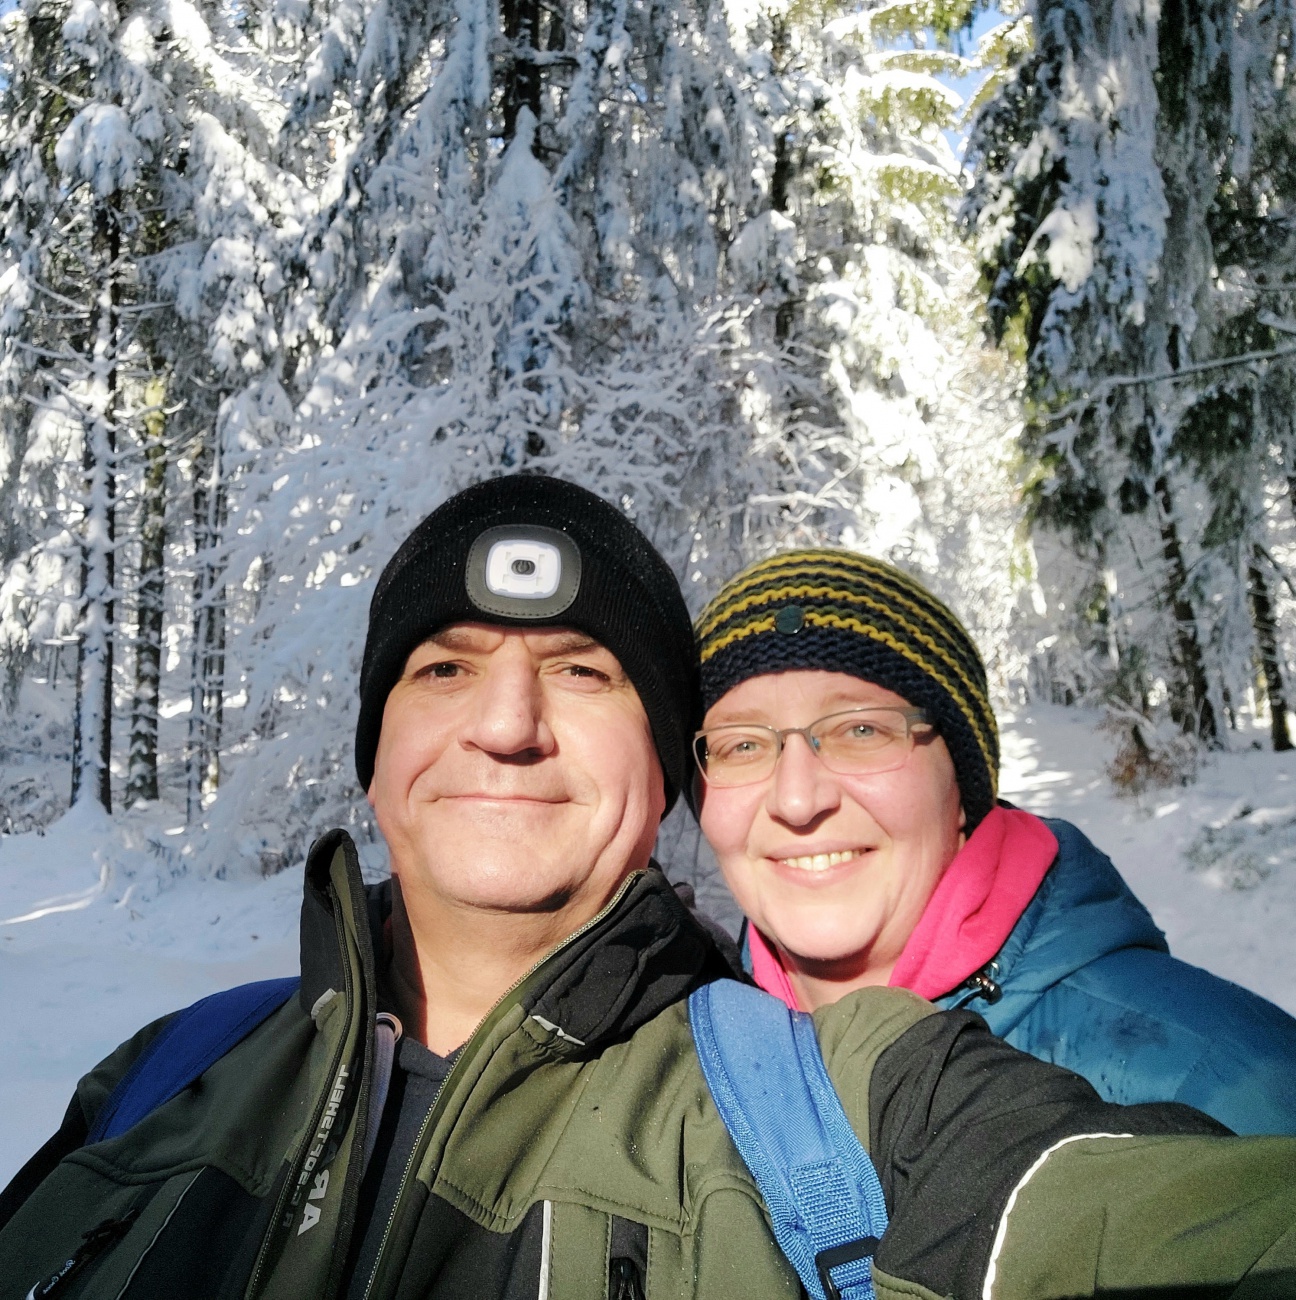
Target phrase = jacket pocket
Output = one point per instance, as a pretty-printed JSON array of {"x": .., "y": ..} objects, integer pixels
[
  {"x": 93, "y": 1244},
  {"x": 118, "y": 1259}
]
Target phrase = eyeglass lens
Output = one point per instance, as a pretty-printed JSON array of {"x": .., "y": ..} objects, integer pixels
[{"x": 861, "y": 740}]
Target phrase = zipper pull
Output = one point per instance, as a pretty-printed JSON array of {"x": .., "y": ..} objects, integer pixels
[
  {"x": 93, "y": 1243},
  {"x": 981, "y": 985},
  {"x": 625, "y": 1282}
]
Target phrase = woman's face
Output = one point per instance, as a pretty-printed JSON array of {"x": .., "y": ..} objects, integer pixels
[{"x": 836, "y": 870}]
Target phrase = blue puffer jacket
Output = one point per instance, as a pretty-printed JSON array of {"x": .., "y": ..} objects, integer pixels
[{"x": 1088, "y": 982}]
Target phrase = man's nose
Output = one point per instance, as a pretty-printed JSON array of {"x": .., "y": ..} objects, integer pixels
[
  {"x": 802, "y": 788},
  {"x": 508, "y": 715}
]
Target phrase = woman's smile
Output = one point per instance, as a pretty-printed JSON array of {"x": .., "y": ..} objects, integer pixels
[{"x": 819, "y": 861}]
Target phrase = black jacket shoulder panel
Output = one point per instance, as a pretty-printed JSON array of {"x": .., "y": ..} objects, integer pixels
[
  {"x": 956, "y": 1118},
  {"x": 322, "y": 955}
]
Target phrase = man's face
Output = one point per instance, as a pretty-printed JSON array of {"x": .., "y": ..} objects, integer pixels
[{"x": 516, "y": 772}]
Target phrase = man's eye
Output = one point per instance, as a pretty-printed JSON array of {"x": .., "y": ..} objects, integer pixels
[
  {"x": 441, "y": 670},
  {"x": 584, "y": 670}
]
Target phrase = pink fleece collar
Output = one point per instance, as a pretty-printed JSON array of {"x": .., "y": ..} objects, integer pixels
[{"x": 979, "y": 899}]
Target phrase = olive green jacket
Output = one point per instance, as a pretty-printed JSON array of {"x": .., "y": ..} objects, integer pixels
[{"x": 573, "y": 1152}]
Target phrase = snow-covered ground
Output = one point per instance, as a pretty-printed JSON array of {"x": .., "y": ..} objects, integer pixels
[{"x": 96, "y": 938}]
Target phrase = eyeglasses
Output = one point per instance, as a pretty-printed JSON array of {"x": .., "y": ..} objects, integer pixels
[{"x": 849, "y": 743}]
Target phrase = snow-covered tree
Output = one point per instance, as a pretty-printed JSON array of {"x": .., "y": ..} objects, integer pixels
[
  {"x": 1132, "y": 217},
  {"x": 890, "y": 425},
  {"x": 518, "y": 264},
  {"x": 131, "y": 308},
  {"x": 697, "y": 258}
]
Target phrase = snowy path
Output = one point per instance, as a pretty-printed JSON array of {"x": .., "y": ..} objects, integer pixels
[{"x": 93, "y": 944}]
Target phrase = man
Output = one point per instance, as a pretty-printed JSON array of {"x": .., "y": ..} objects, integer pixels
[{"x": 527, "y": 702}]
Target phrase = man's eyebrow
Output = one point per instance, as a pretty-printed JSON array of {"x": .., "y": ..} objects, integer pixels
[
  {"x": 451, "y": 638},
  {"x": 573, "y": 642}
]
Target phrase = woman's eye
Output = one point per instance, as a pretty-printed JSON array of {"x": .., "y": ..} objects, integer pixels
[{"x": 736, "y": 749}]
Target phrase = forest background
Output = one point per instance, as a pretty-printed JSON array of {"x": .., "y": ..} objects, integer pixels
[{"x": 278, "y": 276}]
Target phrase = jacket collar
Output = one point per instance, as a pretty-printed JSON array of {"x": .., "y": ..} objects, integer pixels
[
  {"x": 334, "y": 918},
  {"x": 645, "y": 952},
  {"x": 1082, "y": 911}
]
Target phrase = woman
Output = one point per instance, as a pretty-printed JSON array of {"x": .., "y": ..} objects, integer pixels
[{"x": 849, "y": 761}]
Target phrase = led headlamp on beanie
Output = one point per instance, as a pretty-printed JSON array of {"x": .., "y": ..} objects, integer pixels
[
  {"x": 847, "y": 613},
  {"x": 531, "y": 551}
]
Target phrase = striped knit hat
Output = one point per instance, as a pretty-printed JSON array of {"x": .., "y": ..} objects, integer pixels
[{"x": 847, "y": 613}]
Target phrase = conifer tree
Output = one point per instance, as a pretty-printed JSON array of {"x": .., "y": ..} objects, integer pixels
[
  {"x": 1131, "y": 214},
  {"x": 869, "y": 301},
  {"x": 125, "y": 268}
]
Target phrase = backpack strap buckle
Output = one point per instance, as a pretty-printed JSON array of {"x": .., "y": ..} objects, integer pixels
[{"x": 835, "y": 1256}]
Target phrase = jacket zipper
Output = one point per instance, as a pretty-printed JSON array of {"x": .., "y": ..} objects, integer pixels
[
  {"x": 624, "y": 1282},
  {"x": 93, "y": 1244},
  {"x": 984, "y": 984},
  {"x": 489, "y": 1019},
  {"x": 348, "y": 990},
  {"x": 162, "y": 1227}
]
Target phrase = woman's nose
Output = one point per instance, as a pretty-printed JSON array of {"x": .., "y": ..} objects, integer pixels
[{"x": 802, "y": 788}]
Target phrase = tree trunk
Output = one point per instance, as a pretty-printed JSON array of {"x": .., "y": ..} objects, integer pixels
[
  {"x": 1266, "y": 634},
  {"x": 784, "y": 168},
  {"x": 522, "y": 84},
  {"x": 214, "y": 687},
  {"x": 142, "y": 777},
  {"x": 206, "y": 713},
  {"x": 1190, "y": 702},
  {"x": 92, "y": 726}
]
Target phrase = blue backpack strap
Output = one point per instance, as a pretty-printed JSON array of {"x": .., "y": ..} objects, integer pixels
[
  {"x": 767, "y": 1078},
  {"x": 193, "y": 1040}
]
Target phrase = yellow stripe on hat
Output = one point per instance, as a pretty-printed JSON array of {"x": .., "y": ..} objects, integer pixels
[
  {"x": 809, "y": 563},
  {"x": 807, "y": 592}
]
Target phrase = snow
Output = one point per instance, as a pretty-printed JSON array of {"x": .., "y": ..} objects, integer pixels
[
  {"x": 101, "y": 933},
  {"x": 96, "y": 940},
  {"x": 99, "y": 146}
]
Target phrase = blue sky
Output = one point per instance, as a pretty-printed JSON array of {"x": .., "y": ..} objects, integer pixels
[{"x": 966, "y": 86}]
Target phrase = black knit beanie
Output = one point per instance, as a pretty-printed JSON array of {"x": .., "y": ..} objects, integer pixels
[
  {"x": 531, "y": 551},
  {"x": 848, "y": 613}
]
